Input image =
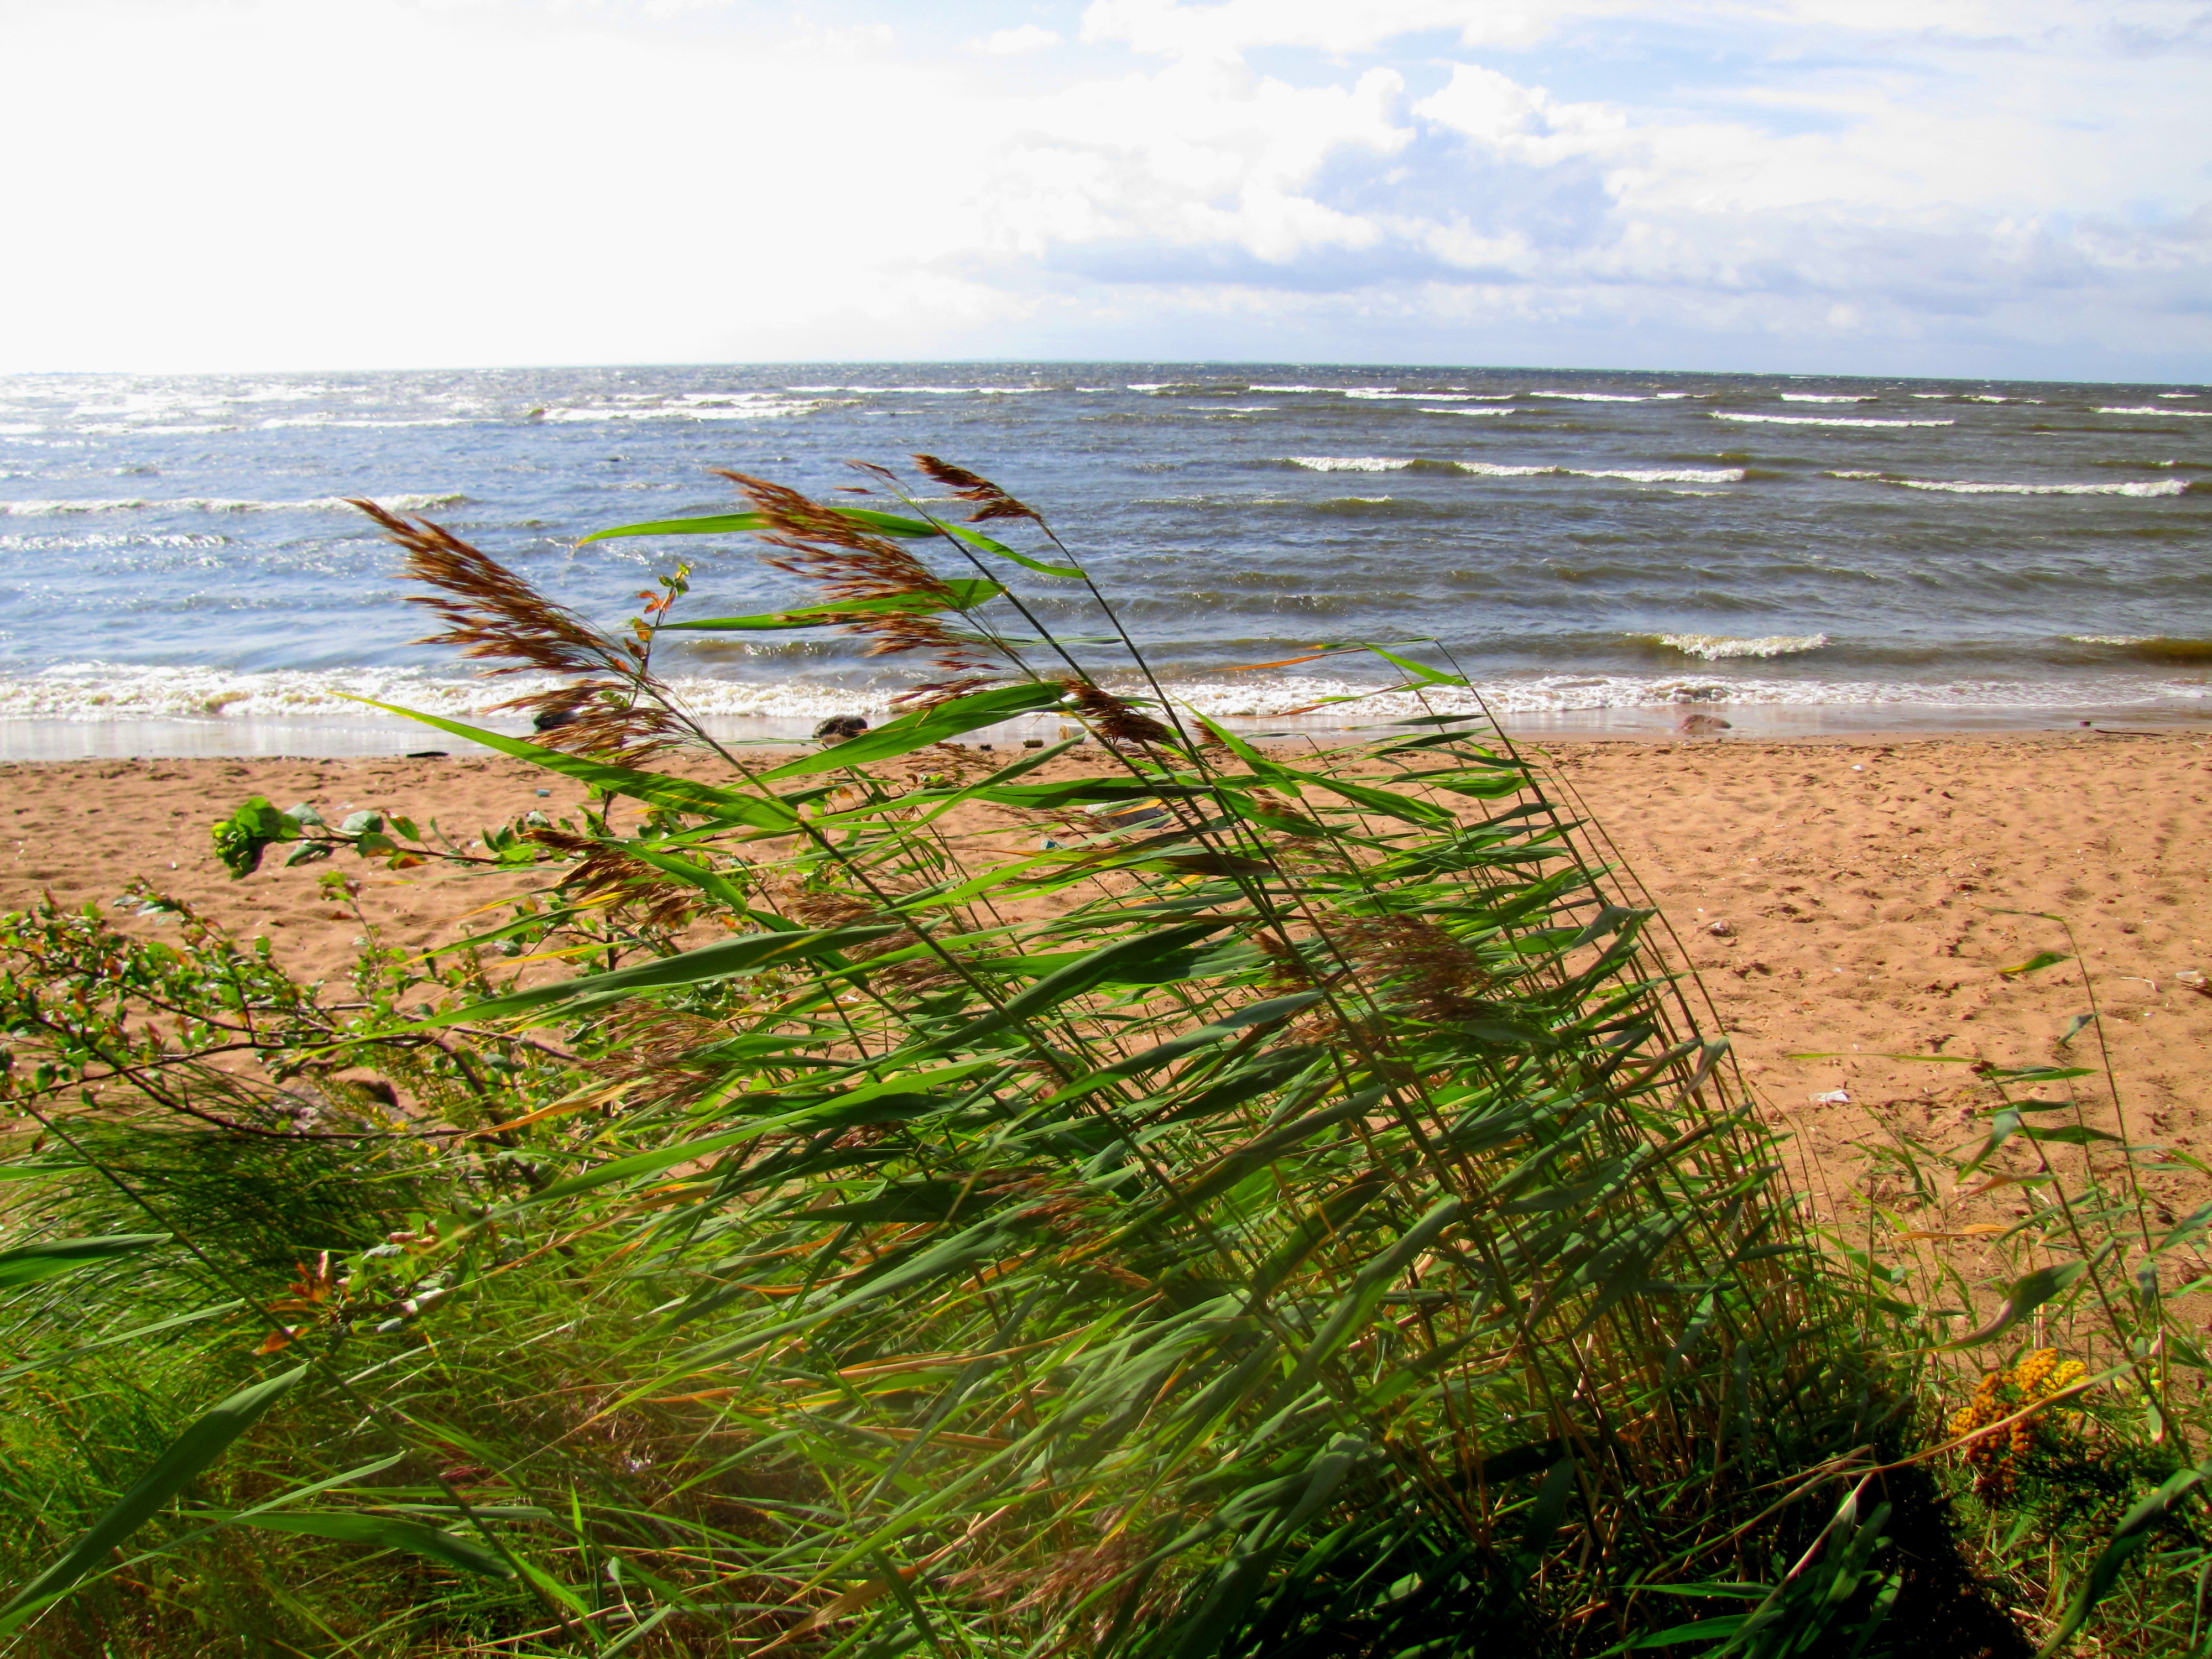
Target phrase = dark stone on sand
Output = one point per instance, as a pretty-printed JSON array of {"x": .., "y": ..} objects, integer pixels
[{"x": 839, "y": 728}]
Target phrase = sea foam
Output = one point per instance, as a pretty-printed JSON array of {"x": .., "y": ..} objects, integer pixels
[
  {"x": 1962, "y": 486},
  {"x": 2150, "y": 408},
  {"x": 1715, "y": 647},
  {"x": 1821, "y": 420}
]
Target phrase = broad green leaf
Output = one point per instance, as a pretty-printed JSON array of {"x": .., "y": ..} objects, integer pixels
[
  {"x": 256, "y": 826},
  {"x": 924, "y": 726},
  {"x": 384, "y": 1532},
  {"x": 188, "y": 1457},
  {"x": 28, "y": 1262}
]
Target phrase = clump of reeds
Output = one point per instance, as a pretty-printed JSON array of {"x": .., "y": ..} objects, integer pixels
[{"x": 1319, "y": 1228}]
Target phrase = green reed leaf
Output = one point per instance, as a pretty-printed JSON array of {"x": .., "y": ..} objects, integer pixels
[
  {"x": 27, "y": 1263},
  {"x": 2129, "y": 1537},
  {"x": 655, "y": 789},
  {"x": 384, "y": 1532},
  {"x": 2036, "y": 963},
  {"x": 188, "y": 1457},
  {"x": 968, "y": 593},
  {"x": 924, "y": 727},
  {"x": 746, "y": 954},
  {"x": 2028, "y": 1292}
]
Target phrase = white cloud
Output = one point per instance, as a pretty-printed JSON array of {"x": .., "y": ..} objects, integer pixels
[
  {"x": 1005, "y": 43},
  {"x": 1952, "y": 185}
]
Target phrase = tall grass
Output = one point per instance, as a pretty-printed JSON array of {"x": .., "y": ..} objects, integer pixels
[{"x": 1166, "y": 1194}]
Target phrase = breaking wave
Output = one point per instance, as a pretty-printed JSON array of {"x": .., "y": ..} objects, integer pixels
[
  {"x": 1712, "y": 648},
  {"x": 1493, "y": 470},
  {"x": 2151, "y": 409},
  {"x": 1961, "y": 487},
  {"x": 1821, "y": 420}
]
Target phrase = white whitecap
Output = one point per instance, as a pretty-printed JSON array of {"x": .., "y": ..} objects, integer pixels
[
  {"x": 1964, "y": 487},
  {"x": 2146, "y": 408},
  {"x": 1715, "y": 647},
  {"x": 1592, "y": 396},
  {"x": 1349, "y": 463},
  {"x": 1820, "y": 420},
  {"x": 1825, "y": 398}
]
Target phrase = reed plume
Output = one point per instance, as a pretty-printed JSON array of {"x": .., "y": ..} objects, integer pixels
[
  {"x": 993, "y": 502},
  {"x": 616, "y": 708}
]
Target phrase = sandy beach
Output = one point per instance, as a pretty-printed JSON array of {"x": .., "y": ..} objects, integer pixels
[{"x": 1846, "y": 896}]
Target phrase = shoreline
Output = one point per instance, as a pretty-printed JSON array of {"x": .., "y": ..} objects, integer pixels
[{"x": 60, "y": 740}]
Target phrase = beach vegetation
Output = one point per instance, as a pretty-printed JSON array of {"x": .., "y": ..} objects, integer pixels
[{"x": 1167, "y": 1192}]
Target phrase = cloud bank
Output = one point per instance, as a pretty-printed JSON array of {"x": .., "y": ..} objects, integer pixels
[{"x": 1948, "y": 187}]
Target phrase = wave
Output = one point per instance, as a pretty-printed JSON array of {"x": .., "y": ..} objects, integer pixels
[
  {"x": 1827, "y": 397},
  {"x": 929, "y": 391},
  {"x": 1820, "y": 420},
  {"x": 1960, "y": 487},
  {"x": 1593, "y": 397},
  {"x": 1470, "y": 411},
  {"x": 2180, "y": 394},
  {"x": 1715, "y": 647},
  {"x": 766, "y": 410},
  {"x": 219, "y": 504},
  {"x": 2151, "y": 409},
  {"x": 1433, "y": 397},
  {"x": 2152, "y": 647},
  {"x": 1494, "y": 469},
  {"x": 1290, "y": 388}
]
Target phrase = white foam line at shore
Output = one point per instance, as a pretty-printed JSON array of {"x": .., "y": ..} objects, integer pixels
[{"x": 114, "y": 693}]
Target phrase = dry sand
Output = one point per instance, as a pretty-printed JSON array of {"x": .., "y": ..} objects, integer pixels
[{"x": 1833, "y": 895}]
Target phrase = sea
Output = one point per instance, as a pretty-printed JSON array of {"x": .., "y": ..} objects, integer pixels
[{"x": 180, "y": 572}]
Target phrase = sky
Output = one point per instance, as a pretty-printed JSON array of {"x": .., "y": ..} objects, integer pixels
[{"x": 2003, "y": 188}]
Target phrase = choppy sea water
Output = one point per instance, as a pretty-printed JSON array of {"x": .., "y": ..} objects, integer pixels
[{"x": 178, "y": 566}]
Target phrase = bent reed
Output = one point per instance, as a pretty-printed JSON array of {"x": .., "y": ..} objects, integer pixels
[{"x": 1294, "y": 1209}]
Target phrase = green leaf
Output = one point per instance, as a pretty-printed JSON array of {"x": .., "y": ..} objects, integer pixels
[
  {"x": 241, "y": 838},
  {"x": 968, "y": 593},
  {"x": 2040, "y": 960},
  {"x": 385, "y": 1532},
  {"x": 655, "y": 789},
  {"x": 746, "y": 954},
  {"x": 188, "y": 1457},
  {"x": 924, "y": 726},
  {"x": 2132, "y": 1533},
  {"x": 740, "y": 524},
  {"x": 2028, "y": 1292},
  {"x": 1426, "y": 676},
  {"x": 977, "y": 540},
  {"x": 27, "y": 1263},
  {"x": 2071, "y": 1135}
]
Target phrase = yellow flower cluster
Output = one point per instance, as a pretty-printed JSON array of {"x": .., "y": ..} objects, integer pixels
[{"x": 1994, "y": 1456}]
